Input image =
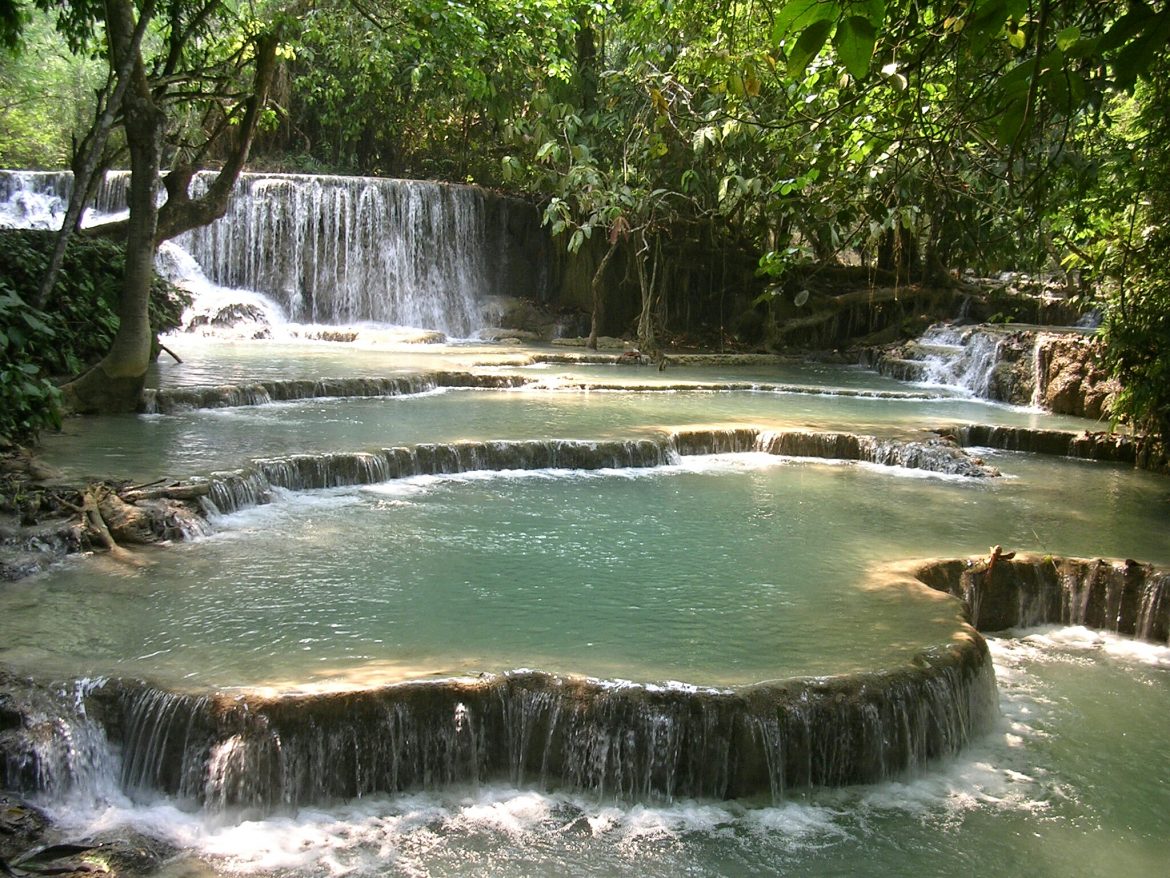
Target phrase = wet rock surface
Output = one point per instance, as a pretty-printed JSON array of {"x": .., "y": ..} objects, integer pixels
[
  {"x": 1005, "y": 591},
  {"x": 1071, "y": 381}
]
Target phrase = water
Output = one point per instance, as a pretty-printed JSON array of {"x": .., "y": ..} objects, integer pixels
[
  {"x": 562, "y": 571},
  {"x": 1069, "y": 784},
  {"x": 699, "y": 576},
  {"x": 142, "y": 449}
]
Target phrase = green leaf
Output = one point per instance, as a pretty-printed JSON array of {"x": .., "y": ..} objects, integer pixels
[
  {"x": 854, "y": 42},
  {"x": 986, "y": 19},
  {"x": 808, "y": 45},
  {"x": 36, "y": 324},
  {"x": 1010, "y": 123},
  {"x": 797, "y": 15},
  {"x": 1017, "y": 81},
  {"x": 874, "y": 10},
  {"x": 1067, "y": 38},
  {"x": 1126, "y": 28}
]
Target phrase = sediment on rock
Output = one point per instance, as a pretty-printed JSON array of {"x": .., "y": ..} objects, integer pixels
[
  {"x": 1028, "y": 590},
  {"x": 1103, "y": 446},
  {"x": 262, "y": 753}
]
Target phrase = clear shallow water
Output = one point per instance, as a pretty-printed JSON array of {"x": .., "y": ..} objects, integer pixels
[
  {"x": 1072, "y": 783},
  {"x": 712, "y": 573},
  {"x": 144, "y": 448},
  {"x": 773, "y": 577},
  {"x": 720, "y": 571}
]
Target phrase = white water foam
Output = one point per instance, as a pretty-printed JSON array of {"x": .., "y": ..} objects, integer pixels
[
  {"x": 499, "y": 829},
  {"x": 960, "y": 359}
]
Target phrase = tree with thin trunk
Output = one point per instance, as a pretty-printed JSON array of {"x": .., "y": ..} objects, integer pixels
[{"x": 181, "y": 99}]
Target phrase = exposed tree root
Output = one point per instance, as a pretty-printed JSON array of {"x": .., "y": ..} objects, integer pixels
[{"x": 95, "y": 523}]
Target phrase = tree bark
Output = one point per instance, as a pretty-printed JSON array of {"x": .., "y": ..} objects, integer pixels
[
  {"x": 647, "y": 283},
  {"x": 115, "y": 383},
  {"x": 595, "y": 287},
  {"x": 89, "y": 154}
]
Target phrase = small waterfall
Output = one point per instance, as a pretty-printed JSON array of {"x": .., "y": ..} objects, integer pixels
[
  {"x": 963, "y": 358},
  {"x": 226, "y": 492},
  {"x": 231, "y": 491},
  {"x": 177, "y": 399},
  {"x": 976, "y": 354},
  {"x": 260, "y": 754},
  {"x": 1126, "y": 598},
  {"x": 344, "y": 250},
  {"x": 1111, "y": 447},
  {"x": 936, "y": 456},
  {"x": 49, "y": 742}
]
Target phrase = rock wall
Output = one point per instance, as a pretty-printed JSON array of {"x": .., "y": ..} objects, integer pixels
[
  {"x": 1028, "y": 590},
  {"x": 1070, "y": 380}
]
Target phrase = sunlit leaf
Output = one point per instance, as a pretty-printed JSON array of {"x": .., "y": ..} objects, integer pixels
[
  {"x": 797, "y": 15},
  {"x": 808, "y": 45},
  {"x": 854, "y": 43},
  {"x": 1067, "y": 38}
]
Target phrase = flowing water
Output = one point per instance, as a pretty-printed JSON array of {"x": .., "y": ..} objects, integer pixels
[{"x": 663, "y": 578}]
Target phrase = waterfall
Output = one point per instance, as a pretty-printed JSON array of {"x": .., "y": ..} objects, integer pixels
[
  {"x": 1126, "y": 598},
  {"x": 34, "y": 199},
  {"x": 260, "y": 753},
  {"x": 341, "y": 250},
  {"x": 344, "y": 250}
]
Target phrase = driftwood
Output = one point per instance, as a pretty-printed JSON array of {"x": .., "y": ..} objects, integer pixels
[{"x": 94, "y": 524}]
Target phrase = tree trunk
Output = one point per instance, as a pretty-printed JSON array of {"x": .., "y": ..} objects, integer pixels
[
  {"x": 89, "y": 154},
  {"x": 115, "y": 383},
  {"x": 647, "y": 283},
  {"x": 595, "y": 287},
  {"x": 587, "y": 59},
  {"x": 181, "y": 213}
]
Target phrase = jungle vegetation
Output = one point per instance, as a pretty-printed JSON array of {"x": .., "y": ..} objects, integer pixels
[{"x": 708, "y": 146}]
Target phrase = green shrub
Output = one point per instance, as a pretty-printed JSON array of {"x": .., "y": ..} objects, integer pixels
[
  {"x": 28, "y": 400},
  {"x": 72, "y": 333}
]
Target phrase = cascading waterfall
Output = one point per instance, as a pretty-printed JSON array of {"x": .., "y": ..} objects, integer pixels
[
  {"x": 34, "y": 199},
  {"x": 956, "y": 357},
  {"x": 341, "y": 250},
  {"x": 227, "y": 492},
  {"x": 261, "y": 754}
]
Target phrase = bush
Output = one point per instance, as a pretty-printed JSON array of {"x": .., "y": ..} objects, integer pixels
[
  {"x": 28, "y": 400},
  {"x": 72, "y": 333}
]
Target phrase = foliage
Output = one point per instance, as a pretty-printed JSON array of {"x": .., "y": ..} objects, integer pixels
[
  {"x": 420, "y": 88},
  {"x": 714, "y": 158},
  {"x": 83, "y": 313},
  {"x": 46, "y": 95},
  {"x": 28, "y": 400},
  {"x": 1132, "y": 250},
  {"x": 76, "y": 330}
]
